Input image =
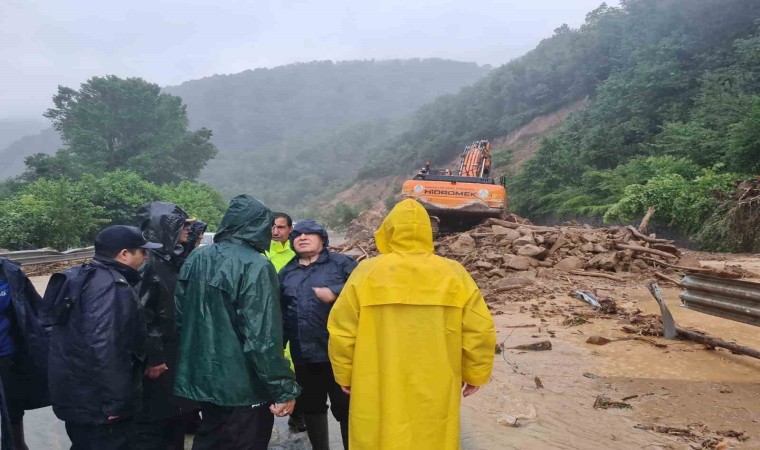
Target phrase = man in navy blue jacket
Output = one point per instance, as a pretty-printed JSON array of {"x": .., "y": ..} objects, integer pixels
[
  {"x": 97, "y": 343},
  {"x": 310, "y": 284}
]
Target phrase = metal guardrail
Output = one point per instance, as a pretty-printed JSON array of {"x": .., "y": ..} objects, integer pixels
[
  {"x": 48, "y": 256},
  {"x": 731, "y": 299}
]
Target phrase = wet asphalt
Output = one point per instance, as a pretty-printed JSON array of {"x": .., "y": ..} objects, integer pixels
[{"x": 45, "y": 432}]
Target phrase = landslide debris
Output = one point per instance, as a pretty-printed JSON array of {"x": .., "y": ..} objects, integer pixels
[
  {"x": 513, "y": 260},
  {"x": 508, "y": 255}
]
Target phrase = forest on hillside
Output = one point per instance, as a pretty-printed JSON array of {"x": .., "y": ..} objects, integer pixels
[
  {"x": 313, "y": 122},
  {"x": 672, "y": 118}
]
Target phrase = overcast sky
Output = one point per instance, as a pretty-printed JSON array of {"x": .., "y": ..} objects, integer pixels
[{"x": 45, "y": 43}]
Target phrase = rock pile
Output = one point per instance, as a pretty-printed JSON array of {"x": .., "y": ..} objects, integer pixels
[
  {"x": 499, "y": 246},
  {"x": 364, "y": 226}
]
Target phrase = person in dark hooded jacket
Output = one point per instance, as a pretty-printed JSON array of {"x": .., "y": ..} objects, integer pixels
[
  {"x": 23, "y": 347},
  {"x": 162, "y": 421},
  {"x": 310, "y": 283},
  {"x": 194, "y": 237},
  {"x": 228, "y": 313},
  {"x": 97, "y": 342}
]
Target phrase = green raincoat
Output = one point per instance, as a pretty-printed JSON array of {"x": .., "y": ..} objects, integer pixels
[{"x": 228, "y": 313}]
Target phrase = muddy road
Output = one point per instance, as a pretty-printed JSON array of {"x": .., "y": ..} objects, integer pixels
[
  {"x": 680, "y": 396},
  {"x": 707, "y": 393}
]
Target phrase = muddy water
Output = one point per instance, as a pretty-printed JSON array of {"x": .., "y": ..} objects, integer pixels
[
  {"x": 674, "y": 386},
  {"x": 560, "y": 415},
  {"x": 681, "y": 359}
]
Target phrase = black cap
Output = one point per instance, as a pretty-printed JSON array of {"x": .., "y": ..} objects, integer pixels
[{"x": 118, "y": 237}]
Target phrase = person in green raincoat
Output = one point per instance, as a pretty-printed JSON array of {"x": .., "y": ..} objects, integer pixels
[{"x": 228, "y": 314}]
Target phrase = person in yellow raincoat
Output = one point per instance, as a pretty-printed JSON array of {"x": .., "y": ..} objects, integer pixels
[{"x": 409, "y": 331}]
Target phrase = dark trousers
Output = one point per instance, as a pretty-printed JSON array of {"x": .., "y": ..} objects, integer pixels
[
  {"x": 165, "y": 434},
  {"x": 112, "y": 436},
  {"x": 11, "y": 384},
  {"x": 234, "y": 428},
  {"x": 317, "y": 383}
]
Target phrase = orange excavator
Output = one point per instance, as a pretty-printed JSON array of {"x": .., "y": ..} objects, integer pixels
[{"x": 463, "y": 198}]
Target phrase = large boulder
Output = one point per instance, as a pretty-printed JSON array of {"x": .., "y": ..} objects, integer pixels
[
  {"x": 590, "y": 237},
  {"x": 529, "y": 250},
  {"x": 508, "y": 235},
  {"x": 463, "y": 245},
  {"x": 524, "y": 240},
  {"x": 605, "y": 261},
  {"x": 518, "y": 262},
  {"x": 493, "y": 256},
  {"x": 569, "y": 264},
  {"x": 499, "y": 230},
  {"x": 524, "y": 231}
]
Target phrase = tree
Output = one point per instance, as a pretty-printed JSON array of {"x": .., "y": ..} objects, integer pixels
[
  {"x": 744, "y": 150},
  {"x": 197, "y": 199},
  {"x": 120, "y": 193},
  {"x": 49, "y": 213},
  {"x": 112, "y": 123},
  {"x": 61, "y": 214}
]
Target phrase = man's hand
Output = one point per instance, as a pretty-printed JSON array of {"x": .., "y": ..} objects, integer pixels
[
  {"x": 155, "y": 371},
  {"x": 346, "y": 389},
  {"x": 469, "y": 390},
  {"x": 325, "y": 295},
  {"x": 283, "y": 409}
]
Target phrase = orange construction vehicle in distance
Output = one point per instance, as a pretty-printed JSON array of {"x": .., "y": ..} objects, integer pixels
[{"x": 463, "y": 198}]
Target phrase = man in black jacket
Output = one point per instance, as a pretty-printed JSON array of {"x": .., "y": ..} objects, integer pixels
[
  {"x": 161, "y": 424},
  {"x": 97, "y": 343},
  {"x": 23, "y": 347},
  {"x": 310, "y": 284}
]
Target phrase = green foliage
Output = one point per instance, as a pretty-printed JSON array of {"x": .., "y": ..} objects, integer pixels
[
  {"x": 680, "y": 202},
  {"x": 562, "y": 69},
  {"x": 198, "y": 199},
  {"x": 502, "y": 158},
  {"x": 120, "y": 193},
  {"x": 49, "y": 213},
  {"x": 112, "y": 123},
  {"x": 670, "y": 89},
  {"x": 677, "y": 119},
  {"x": 60, "y": 213},
  {"x": 743, "y": 153}
]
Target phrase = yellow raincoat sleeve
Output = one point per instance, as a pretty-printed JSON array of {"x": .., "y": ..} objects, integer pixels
[
  {"x": 478, "y": 340},
  {"x": 342, "y": 325}
]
